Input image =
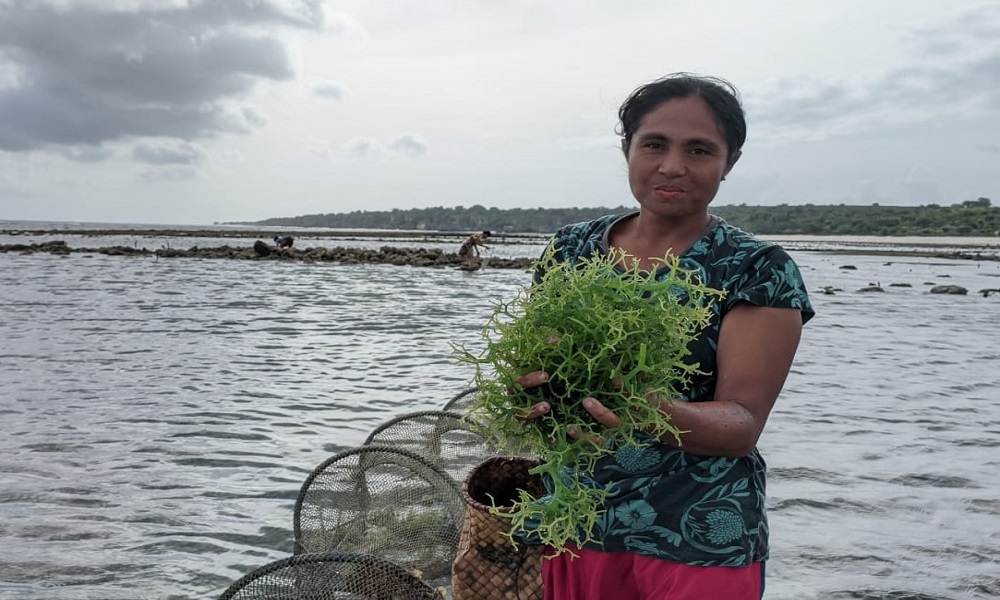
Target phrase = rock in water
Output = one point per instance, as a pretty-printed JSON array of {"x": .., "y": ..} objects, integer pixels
[{"x": 261, "y": 248}]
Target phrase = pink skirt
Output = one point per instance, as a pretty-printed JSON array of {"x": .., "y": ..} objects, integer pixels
[{"x": 597, "y": 575}]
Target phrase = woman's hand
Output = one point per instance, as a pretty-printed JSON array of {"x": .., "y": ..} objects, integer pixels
[
  {"x": 531, "y": 380},
  {"x": 601, "y": 414}
]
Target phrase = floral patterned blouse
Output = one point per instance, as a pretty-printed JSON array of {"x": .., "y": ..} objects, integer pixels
[{"x": 665, "y": 502}]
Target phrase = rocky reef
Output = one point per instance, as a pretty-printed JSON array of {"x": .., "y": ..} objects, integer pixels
[{"x": 390, "y": 255}]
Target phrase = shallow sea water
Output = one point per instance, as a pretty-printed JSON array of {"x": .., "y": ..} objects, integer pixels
[{"x": 160, "y": 415}]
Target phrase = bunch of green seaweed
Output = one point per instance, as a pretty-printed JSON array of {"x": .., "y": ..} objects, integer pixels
[{"x": 601, "y": 327}]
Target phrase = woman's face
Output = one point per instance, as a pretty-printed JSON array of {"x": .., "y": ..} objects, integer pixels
[{"x": 677, "y": 158}]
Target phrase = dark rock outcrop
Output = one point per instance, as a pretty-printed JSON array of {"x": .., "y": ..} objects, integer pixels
[
  {"x": 949, "y": 289},
  {"x": 391, "y": 255},
  {"x": 261, "y": 248}
]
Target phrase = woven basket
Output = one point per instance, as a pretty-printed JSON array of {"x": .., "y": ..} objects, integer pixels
[{"x": 488, "y": 566}]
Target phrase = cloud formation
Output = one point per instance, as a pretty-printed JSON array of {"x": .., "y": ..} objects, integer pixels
[
  {"x": 956, "y": 70},
  {"x": 82, "y": 73},
  {"x": 163, "y": 154},
  {"x": 408, "y": 144},
  {"x": 333, "y": 90},
  {"x": 207, "y": 110}
]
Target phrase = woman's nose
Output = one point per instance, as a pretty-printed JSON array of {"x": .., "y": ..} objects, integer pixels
[{"x": 672, "y": 163}]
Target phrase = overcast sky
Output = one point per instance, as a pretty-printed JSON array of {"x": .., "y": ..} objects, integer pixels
[{"x": 193, "y": 112}]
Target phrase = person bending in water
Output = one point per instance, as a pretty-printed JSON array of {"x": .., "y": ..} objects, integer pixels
[{"x": 470, "y": 248}]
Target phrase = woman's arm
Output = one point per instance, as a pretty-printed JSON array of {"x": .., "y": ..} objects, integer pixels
[{"x": 755, "y": 352}]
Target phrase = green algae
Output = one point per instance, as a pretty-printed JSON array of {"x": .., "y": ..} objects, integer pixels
[{"x": 599, "y": 329}]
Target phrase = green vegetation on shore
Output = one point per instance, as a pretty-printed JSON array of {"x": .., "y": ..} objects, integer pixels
[{"x": 970, "y": 218}]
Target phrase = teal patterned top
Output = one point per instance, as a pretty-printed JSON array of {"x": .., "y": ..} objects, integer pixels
[{"x": 665, "y": 502}]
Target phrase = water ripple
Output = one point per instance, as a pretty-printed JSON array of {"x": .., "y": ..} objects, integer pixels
[{"x": 160, "y": 416}]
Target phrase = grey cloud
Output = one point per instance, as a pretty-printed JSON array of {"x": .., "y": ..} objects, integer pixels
[
  {"x": 361, "y": 147},
  {"x": 323, "y": 151},
  {"x": 973, "y": 27},
  {"x": 941, "y": 47},
  {"x": 163, "y": 154},
  {"x": 334, "y": 90},
  {"x": 982, "y": 23},
  {"x": 345, "y": 25},
  {"x": 253, "y": 117},
  {"x": 87, "y": 154},
  {"x": 169, "y": 173},
  {"x": 409, "y": 145},
  {"x": 795, "y": 102},
  {"x": 84, "y": 75},
  {"x": 296, "y": 13},
  {"x": 937, "y": 81}
]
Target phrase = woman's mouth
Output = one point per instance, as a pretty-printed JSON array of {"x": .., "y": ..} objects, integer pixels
[{"x": 668, "y": 191}]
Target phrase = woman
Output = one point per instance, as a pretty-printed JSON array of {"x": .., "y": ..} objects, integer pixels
[{"x": 687, "y": 520}]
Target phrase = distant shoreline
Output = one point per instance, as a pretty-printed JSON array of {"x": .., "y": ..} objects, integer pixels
[
  {"x": 978, "y": 218},
  {"x": 251, "y": 233}
]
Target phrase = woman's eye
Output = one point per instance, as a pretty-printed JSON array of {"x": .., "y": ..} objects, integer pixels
[
  {"x": 654, "y": 145},
  {"x": 700, "y": 151}
]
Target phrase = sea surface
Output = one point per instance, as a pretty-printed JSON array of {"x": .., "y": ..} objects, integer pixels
[{"x": 158, "y": 416}]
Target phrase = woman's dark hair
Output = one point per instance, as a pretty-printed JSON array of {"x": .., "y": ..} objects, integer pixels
[{"x": 720, "y": 95}]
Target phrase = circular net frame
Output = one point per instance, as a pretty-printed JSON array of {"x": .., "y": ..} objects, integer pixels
[
  {"x": 461, "y": 402},
  {"x": 330, "y": 576},
  {"x": 385, "y": 502},
  {"x": 442, "y": 437}
]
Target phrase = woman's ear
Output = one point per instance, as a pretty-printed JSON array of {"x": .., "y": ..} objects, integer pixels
[{"x": 625, "y": 148}]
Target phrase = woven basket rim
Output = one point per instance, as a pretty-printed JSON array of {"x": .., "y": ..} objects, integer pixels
[{"x": 472, "y": 502}]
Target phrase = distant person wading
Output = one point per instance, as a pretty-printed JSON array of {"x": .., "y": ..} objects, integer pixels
[{"x": 470, "y": 249}]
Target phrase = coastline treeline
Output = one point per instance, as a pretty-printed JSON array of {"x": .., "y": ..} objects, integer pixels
[{"x": 970, "y": 218}]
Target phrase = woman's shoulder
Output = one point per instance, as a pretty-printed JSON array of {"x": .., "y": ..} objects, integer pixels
[
  {"x": 758, "y": 271},
  {"x": 739, "y": 237},
  {"x": 582, "y": 238},
  {"x": 729, "y": 254},
  {"x": 588, "y": 228},
  {"x": 737, "y": 244}
]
